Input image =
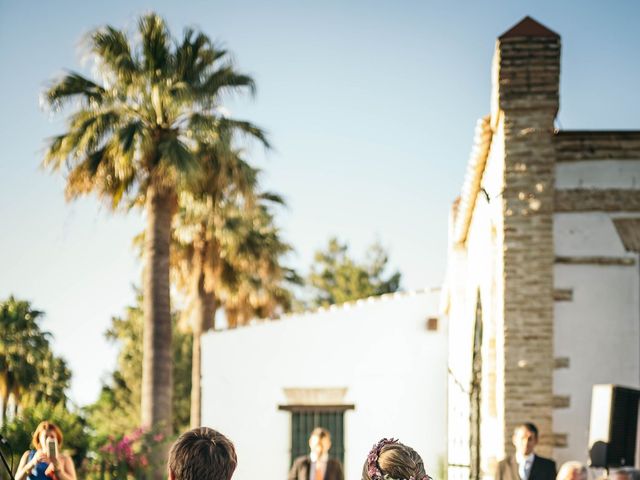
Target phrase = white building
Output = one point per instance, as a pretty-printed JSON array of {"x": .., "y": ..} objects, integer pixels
[
  {"x": 543, "y": 285},
  {"x": 366, "y": 370}
]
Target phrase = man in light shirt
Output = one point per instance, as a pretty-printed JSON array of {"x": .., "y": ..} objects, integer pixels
[
  {"x": 525, "y": 464},
  {"x": 317, "y": 465}
]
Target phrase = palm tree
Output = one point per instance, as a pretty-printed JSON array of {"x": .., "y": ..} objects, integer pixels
[
  {"x": 54, "y": 378},
  {"x": 255, "y": 279},
  {"x": 140, "y": 133},
  {"x": 198, "y": 248},
  {"x": 22, "y": 348},
  {"x": 219, "y": 235},
  {"x": 194, "y": 263}
]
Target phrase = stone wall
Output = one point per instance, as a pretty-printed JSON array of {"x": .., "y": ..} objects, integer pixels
[
  {"x": 597, "y": 200},
  {"x": 528, "y": 80},
  {"x": 580, "y": 145}
]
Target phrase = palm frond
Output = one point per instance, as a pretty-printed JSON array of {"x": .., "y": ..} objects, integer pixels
[
  {"x": 223, "y": 80},
  {"x": 112, "y": 51},
  {"x": 127, "y": 135},
  {"x": 88, "y": 131},
  {"x": 175, "y": 154},
  {"x": 193, "y": 56},
  {"x": 245, "y": 128},
  {"x": 90, "y": 128},
  {"x": 72, "y": 86},
  {"x": 155, "y": 44},
  {"x": 273, "y": 197},
  {"x": 235, "y": 176},
  {"x": 118, "y": 188},
  {"x": 57, "y": 152},
  {"x": 204, "y": 128},
  {"x": 81, "y": 178}
]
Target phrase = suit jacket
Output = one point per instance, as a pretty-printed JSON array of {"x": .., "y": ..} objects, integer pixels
[
  {"x": 541, "y": 469},
  {"x": 300, "y": 469}
]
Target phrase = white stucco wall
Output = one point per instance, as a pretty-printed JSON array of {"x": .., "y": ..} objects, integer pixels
[
  {"x": 473, "y": 268},
  {"x": 598, "y": 174},
  {"x": 599, "y": 330},
  {"x": 394, "y": 370},
  {"x": 586, "y": 234}
]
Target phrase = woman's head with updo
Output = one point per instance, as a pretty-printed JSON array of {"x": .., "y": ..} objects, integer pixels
[{"x": 391, "y": 460}]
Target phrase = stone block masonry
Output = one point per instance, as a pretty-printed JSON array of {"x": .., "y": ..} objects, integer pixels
[{"x": 528, "y": 86}]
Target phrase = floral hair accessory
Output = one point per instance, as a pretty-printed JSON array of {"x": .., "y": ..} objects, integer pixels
[{"x": 373, "y": 467}]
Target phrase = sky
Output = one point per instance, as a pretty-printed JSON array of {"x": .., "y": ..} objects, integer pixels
[{"x": 370, "y": 105}]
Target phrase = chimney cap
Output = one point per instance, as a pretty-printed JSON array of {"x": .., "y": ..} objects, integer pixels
[{"x": 528, "y": 27}]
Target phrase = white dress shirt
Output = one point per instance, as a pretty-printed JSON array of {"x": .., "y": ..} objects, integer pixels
[{"x": 524, "y": 465}]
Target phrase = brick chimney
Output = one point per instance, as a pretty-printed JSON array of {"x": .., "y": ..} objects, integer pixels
[
  {"x": 526, "y": 69},
  {"x": 525, "y": 101}
]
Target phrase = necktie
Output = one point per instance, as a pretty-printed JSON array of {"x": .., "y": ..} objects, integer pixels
[
  {"x": 526, "y": 469},
  {"x": 319, "y": 473}
]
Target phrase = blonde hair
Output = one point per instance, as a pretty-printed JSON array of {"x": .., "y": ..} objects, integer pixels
[
  {"x": 46, "y": 426},
  {"x": 567, "y": 468}
]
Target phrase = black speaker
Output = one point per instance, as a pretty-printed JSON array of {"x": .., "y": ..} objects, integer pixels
[{"x": 613, "y": 429}]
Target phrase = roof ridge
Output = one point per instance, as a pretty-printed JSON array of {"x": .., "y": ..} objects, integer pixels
[
  {"x": 362, "y": 301},
  {"x": 343, "y": 306},
  {"x": 528, "y": 27},
  {"x": 466, "y": 202}
]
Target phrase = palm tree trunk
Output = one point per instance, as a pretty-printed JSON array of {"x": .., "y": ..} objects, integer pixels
[
  {"x": 157, "y": 364},
  {"x": 232, "y": 316},
  {"x": 204, "y": 313},
  {"x": 5, "y": 401},
  {"x": 17, "y": 399}
]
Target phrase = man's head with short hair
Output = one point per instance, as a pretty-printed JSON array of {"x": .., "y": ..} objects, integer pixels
[
  {"x": 202, "y": 454},
  {"x": 525, "y": 438},
  {"x": 320, "y": 441}
]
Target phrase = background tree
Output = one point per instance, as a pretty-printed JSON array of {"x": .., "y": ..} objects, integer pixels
[
  {"x": 117, "y": 410},
  {"x": 54, "y": 379},
  {"x": 35, "y": 379},
  {"x": 225, "y": 237},
  {"x": 255, "y": 282},
  {"x": 337, "y": 278},
  {"x": 29, "y": 371},
  {"x": 139, "y": 133},
  {"x": 197, "y": 250}
]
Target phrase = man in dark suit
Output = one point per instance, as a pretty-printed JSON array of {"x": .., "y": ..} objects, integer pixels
[
  {"x": 525, "y": 464},
  {"x": 317, "y": 465}
]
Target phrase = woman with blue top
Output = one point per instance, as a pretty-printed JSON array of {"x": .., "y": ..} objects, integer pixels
[{"x": 45, "y": 461}]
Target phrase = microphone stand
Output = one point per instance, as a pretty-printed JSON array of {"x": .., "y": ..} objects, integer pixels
[{"x": 4, "y": 461}]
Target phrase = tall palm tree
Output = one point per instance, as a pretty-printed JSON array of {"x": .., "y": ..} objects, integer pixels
[{"x": 140, "y": 132}]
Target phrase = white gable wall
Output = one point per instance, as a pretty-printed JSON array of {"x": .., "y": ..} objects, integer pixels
[
  {"x": 393, "y": 368},
  {"x": 599, "y": 329}
]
